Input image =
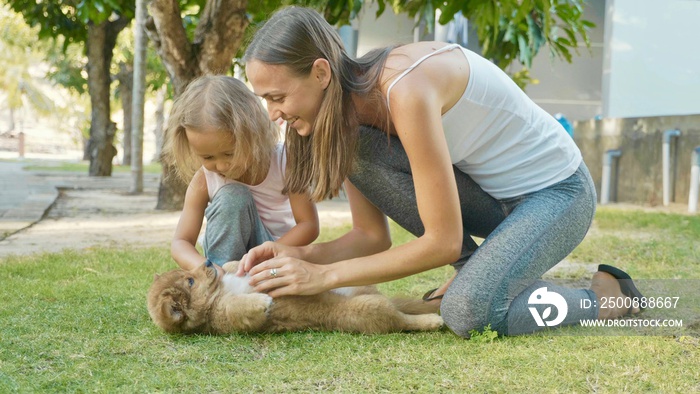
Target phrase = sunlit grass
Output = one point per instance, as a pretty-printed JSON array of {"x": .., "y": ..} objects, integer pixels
[
  {"x": 83, "y": 167},
  {"x": 77, "y": 322}
]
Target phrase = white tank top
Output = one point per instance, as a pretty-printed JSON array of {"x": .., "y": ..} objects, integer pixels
[
  {"x": 273, "y": 206},
  {"x": 500, "y": 137}
]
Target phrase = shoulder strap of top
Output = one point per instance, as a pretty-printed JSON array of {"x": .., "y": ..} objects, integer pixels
[{"x": 414, "y": 65}]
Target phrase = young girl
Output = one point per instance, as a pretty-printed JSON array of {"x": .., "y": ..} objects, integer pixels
[
  {"x": 443, "y": 142},
  {"x": 220, "y": 139}
]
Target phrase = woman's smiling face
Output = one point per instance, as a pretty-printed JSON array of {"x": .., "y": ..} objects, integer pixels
[{"x": 295, "y": 99}]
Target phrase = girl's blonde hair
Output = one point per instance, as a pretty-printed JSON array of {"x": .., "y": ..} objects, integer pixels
[
  {"x": 296, "y": 37},
  {"x": 225, "y": 104}
]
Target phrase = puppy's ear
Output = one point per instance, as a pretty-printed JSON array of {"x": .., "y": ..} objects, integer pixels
[
  {"x": 177, "y": 313},
  {"x": 155, "y": 277}
]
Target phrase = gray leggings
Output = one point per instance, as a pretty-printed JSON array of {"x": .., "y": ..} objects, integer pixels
[
  {"x": 233, "y": 225},
  {"x": 524, "y": 236}
]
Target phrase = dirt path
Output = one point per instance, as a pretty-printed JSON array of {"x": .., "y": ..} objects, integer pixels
[
  {"x": 83, "y": 218},
  {"x": 98, "y": 211}
]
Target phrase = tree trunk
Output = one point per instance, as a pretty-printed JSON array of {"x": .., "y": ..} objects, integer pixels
[
  {"x": 171, "y": 191},
  {"x": 140, "y": 43},
  {"x": 217, "y": 37},
  {"x": 160, "y": 121},
  {"x": 100, "y": 44},
  {"x": 11, "y": 126},
  {"x": 86, "y": 148},
  {"x": 126, "y": 81}
]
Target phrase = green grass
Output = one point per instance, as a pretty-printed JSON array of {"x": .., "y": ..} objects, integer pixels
[
  {"x": 83, "y": 166},
  {"x": 77, "y": 322},
  {"x": 647, "y": 245}
]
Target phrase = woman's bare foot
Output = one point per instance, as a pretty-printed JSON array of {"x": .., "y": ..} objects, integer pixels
[
  {"x": 435, "y": 296},
  {"x": 607, "y": 289}
]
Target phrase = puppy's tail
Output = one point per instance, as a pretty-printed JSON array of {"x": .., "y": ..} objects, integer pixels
[{"x": 412, "y": 306}]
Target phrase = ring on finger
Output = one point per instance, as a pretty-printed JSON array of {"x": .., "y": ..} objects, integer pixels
[{"x": 273, "y": 272}]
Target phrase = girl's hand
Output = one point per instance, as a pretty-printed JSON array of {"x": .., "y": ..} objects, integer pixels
[
  {"x": 220, "y": 271},
  {"x": 231, "y": 266},
  {"x": 262, "y": 253},
  {"x": 281, "y": 276}
]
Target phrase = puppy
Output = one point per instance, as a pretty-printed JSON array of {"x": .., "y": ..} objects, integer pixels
[{"x": 201, "y": 301}]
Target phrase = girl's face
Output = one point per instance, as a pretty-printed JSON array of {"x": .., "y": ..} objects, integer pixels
[
  {"x": 295, "y": 99},
  {"x": 213, "y": 147}
]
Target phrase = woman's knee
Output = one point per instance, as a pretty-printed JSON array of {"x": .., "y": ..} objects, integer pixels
[
  {"x": 366, "y": 156},
  {"x": 471, "y": 310}
]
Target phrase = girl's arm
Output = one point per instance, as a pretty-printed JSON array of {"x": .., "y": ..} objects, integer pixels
[
  {"x": 183, "y": 248},
  {"x": 306, "y": 216}
]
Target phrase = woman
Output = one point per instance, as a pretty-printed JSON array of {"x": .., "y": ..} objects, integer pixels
[{"x": 443, "y": 142}]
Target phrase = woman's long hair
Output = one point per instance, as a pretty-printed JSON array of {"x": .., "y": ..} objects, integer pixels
[{"x": 295, "y": 37}]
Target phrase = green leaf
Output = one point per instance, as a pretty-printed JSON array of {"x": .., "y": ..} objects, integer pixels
[
  {"x": 525, "y": 53},
  {"x": 381, "y": 7},
  {"x": 484, "y": 336}
]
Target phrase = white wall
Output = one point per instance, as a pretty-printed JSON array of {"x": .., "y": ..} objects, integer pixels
[
  {"x": 652, "y": 58},
  {"x": 573, "y": 89},
  {"x": 387, "y": 30}
]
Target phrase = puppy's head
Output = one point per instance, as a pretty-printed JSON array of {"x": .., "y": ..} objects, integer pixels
[{"x": 179, "y": 300}]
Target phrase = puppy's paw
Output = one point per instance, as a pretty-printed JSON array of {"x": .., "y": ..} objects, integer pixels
[
  {"x": 426, "y": 322},
  {"x": 231, "y": 266},
  {"x": 263, "y": 299},
  {"x": 434, "y": 321}
]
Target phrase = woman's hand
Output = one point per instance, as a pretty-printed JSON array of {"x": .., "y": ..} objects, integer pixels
[
  {"x": 282, "y": 276},
  {"x": 262, "y": 253}
]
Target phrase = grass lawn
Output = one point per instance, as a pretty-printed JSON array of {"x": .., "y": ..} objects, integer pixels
[
  {"x": 77, "y": 322},
  {"x": 84, "y": 166}
]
